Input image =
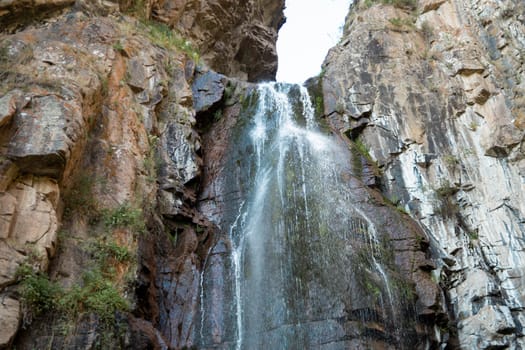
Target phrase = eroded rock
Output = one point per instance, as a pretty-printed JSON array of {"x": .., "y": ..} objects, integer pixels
[
  {"x": 444, "y": 125},
  {"x": 10, "y": 318}
]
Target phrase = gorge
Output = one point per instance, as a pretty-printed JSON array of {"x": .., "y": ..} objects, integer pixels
[{"x": 154, "y": 194}]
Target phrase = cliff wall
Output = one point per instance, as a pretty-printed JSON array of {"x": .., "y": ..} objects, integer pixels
[
  {"x": 435, "y": 92},
  {"x": 100, "y": 163}
]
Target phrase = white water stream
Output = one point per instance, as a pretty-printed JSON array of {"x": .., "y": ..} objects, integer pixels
[{"x": 296, "y": 202}]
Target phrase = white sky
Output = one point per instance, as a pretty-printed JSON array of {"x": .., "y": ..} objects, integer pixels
[{"x": 312, "y": 27}]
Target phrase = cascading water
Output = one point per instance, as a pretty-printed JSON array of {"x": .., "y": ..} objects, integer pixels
[{"x": 303, "y": 264}]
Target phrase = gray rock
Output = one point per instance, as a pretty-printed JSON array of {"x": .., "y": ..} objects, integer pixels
[
  {"x": 45, "y": 134},
  {"x": 208, "y": 89}
]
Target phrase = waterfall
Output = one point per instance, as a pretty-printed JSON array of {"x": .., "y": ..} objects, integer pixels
[{"x": 303, "y": 256}]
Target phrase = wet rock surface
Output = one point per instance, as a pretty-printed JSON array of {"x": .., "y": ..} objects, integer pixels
[
  {"x": 436, "y": 92},
  {"x": 96, "y": 115}
]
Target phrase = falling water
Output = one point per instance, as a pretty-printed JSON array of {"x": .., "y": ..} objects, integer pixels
[{"x": 302, "y": 251}]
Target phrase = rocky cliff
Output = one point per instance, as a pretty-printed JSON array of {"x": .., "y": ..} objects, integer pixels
[
  {"x": 101, "y": 162},
  {"x": 120, "y": 156},
  {"x": 434, "y": 90}
]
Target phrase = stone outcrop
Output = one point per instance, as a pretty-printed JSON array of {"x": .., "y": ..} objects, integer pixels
[
  {"x": 236, "y": 39},
  {"x": 97, "y": 113},
  {"x": 436, "y": 97}
]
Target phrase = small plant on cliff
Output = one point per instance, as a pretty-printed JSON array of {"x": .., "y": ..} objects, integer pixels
[
  {"x": 451, "y": 160},
  {"x": 117, "y": 46},
  {"x": 400, "y": 22},
  {"x": 151, "y": 160},
  {"x": 37, "y": 292},
  {"x": 164, "y": 36},
  {"x": 403, "y": 4},
  {"x": 137, "y": 8},
  {"x": 79, "y": 197},
  {"x": 427, "y": 31},
  {"x": 98, "y": 294},
  {"x": 105, "y": 251},
  {"x": 473, "y": 126},
  {"x": 447, "y": 205},
  {"x": 125, "y": 216}
]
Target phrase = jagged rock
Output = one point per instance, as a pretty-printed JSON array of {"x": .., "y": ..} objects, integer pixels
[
  {"x": 229, "y": 34},
  {"x": 10, "y": 318},
  {"x": 254, "y": 48},
  {"x": 137, "y": 74},
  {"x": 45, "y": 135},
  {"x": 208, "y": 89},
  {"x": 34, "y": 221},
  {"x": 444, "y": 109},
  {"x": 12, "y": 10},
  {"x": 487, "y": 329},
  {"x": 430, "y": 5},
  {"x": 181, "y": 145}
]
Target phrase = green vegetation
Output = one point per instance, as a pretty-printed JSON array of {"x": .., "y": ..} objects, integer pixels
[
  {"x": 37, "y": 292},
  {"x": 106, "y": 251},
  {"x": 403, "y": 287},
  {"x": 395, "y": 202},
  {"x": 97, "y": 293},
  {"x": 445, "y": 190},
  {"x": 451, "y": 160},
  {"x": 447, "y": 205},
  {"x": 152, "y": 160},
  {"x": 79, "y": 198},
  {"x": 359, "y": 151},
  {"x": 319, "y": 105},
  {"x": 118, "y": 46},
  {"x": 125, "y": 216},
  {"x": 402, "y": 22},
  {"x": 137, "y": 8},
  {"x": 473, "y": 126},
  {"x": 473, "y": 235},
  {"x": 403, "y": 4},
  {"x": 163, "y": 36}
]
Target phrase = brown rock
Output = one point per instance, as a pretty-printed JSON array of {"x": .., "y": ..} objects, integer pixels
[
  {"x": 10, "y": 259},
  {"x": 7, "y": 213},
  {"x": 429, "y": 5},
  {"x": 45, "y": 135},
  {"x": 9, "y": 320},
  {"x": 36, "y": 221},
  {"x": 229, "y": 34}
]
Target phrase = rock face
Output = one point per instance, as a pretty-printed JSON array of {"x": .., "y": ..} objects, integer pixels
[
  {"x": 236, "y": 39},
  {"x": 345, "y": 312},
  {"x": 120, "y": 154},
  {"x": 436, "y": 96},
  {"x": 97, "y": 115}
]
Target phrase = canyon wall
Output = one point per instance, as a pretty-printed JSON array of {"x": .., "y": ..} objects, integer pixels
[
  {"x": 435, "y": 92},
  {"x": 117, "y": 160},
  {"x": 100, "y": 164}
]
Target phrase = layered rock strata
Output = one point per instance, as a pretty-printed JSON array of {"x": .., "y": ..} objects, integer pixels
[
  {"x": 97, "y": 116},
  {"x": 435, "y": 93},
  {"x": 236, "y": 39}
]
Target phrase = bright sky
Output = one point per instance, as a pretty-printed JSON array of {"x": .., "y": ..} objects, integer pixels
[{"x": 312, "y": 27}]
